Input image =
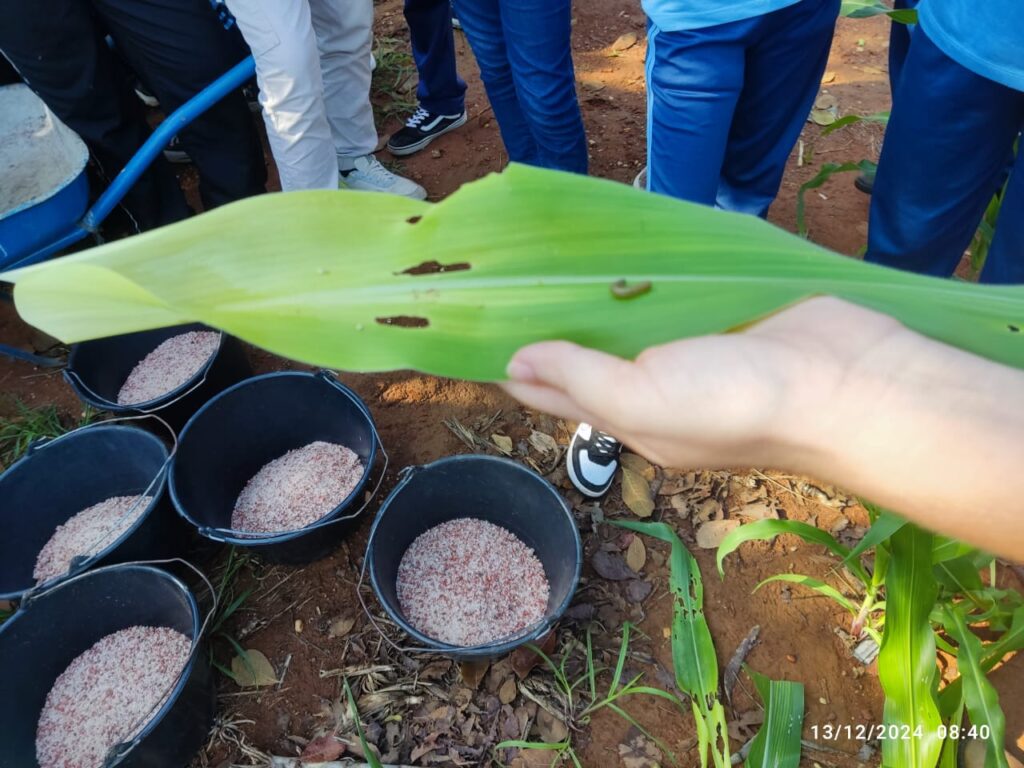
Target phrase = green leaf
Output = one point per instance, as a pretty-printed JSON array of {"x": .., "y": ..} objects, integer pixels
[
  {"x": 980, "y": 695},
  {"x": 763, "y": 530},
  {"x": 878, "y": 117},
  {"x": 882, "y": 529},
  {"x": 826, "y": 172},
  {"x": 370, "y": 756},
  {"x": 817, "y": 585},
  {"x": 323, "y": 277},
  {"x": 948, "y": 549},
  {"x": 907, "y": 667},
  {"x": 777, "y": 743},
  {"x": 862, "y": 9}
]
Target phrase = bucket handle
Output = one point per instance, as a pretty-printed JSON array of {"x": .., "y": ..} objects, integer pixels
[
  {"x": 82, "y": 562},
  {"x": 76, "y": 381},
  {"x": 540, "y": 627},
  {"x": 212, "y": 532}
]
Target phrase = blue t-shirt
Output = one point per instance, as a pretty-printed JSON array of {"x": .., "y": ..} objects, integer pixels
[
  {"x": 986, "y": 38},
  {"x": 679, "y": 15}
]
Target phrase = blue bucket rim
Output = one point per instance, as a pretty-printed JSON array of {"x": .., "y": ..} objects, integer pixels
[
  {"x": 193, "y": 604},
  {"x": 530, "y": 633},
  {"x": 37, "y": 448},
  {"x": 327, "y": 379},
  {"x": 72, "y": 377}
]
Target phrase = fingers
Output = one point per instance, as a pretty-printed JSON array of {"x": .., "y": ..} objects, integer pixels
[
  {"x": 548, "y": 400},
  {"x": 584, "y": 376}
]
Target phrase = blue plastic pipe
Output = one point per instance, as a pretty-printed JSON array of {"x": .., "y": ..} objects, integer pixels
[{"x": 231, "y": 80}]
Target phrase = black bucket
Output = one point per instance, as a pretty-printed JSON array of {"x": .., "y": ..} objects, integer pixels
[
  {"x": 57, "y": 479},
  {"x": 98, "y": 369},
  {"x": 251, "y": 424},
  {"x": 499, "y": 491},
  {"x": 50, "y": 630}
]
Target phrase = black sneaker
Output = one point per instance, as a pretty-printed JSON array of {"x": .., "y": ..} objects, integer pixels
[
  {"x": 592, "y": 460},
  {"x": 865, "y": 181},
  {"x": 421, "y": 129},
  {"x": 175, "y": 153}
]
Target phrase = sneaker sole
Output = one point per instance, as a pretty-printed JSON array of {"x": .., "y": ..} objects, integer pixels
[
  {"x": 177, "y": 157},
  {"x": 422, "y": 143}
]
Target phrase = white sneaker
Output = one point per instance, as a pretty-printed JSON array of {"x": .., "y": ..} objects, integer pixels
[
  {"x": 369, "y": 175},
  {"x": 640, "y": 180}
]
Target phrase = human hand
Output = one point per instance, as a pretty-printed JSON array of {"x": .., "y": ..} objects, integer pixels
[{"x": 759, "y": 397}]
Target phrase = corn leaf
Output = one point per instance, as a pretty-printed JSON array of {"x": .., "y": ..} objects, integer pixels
[
  {"x": 907, "y": 667},
  {"x": 980, "y": 695},
  {"x": 817, "y": 585},
  {"x": 882, "y": 528},
  {"x": 693, "y": 652},
  {"x": 370, "y": 282},
  {"x": 777, "y": 744},
  {"x": 762, "y": 530}
]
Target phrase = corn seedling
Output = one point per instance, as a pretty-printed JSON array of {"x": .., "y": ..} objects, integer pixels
[
  {"x": 922, "y": 594},
  {"x": 370, "y": 756},
  {"x": 580, "y": 698},
  {"x": 863, "y": 9},
  {"x": 693, "y": 652},
  {"x": 777, "y": 744}
]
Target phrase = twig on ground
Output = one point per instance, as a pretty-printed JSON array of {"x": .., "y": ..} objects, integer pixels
[{"x": 732, "y": 670}]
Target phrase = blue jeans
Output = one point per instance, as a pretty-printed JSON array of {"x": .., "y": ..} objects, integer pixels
[
  {"x": 725, "y": 104},
  {"x": 945, "y": 154},
  {"x": 440, "y": 89},
  {"x": 899, "y": 43},
  {"x": 522, "y": 47}
]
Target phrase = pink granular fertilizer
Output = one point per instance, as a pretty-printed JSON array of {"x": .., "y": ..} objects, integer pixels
[
  {"x": 168, "y": 366},
  {"x": 108, "y": 694},
  {"x": 88, "y": 532},
  {"x": 297, "y": 489},
  {"x": 469, "y": 582}
]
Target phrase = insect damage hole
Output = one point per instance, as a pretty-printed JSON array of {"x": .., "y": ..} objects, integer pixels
[
  {"x": 404, "y": 321},
  {"x": 1013, "y": 328},
  {"x": 435, "y": 267},
  {"x": 413, "y": 220}
]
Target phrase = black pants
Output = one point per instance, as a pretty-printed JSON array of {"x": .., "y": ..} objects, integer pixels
[{"x": 176, "y": 47}]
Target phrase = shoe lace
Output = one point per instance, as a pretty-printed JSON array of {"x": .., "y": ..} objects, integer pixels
[
  {"x": 605, "y": 446},
  {"x": 375, "y": 172},
  {"x": 417, "y": 117}
]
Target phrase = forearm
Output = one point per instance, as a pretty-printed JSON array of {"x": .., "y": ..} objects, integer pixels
[{"x": 938, "y": 438}]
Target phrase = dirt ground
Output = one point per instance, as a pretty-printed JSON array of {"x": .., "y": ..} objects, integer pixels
[{"x": 425, "y": 711}]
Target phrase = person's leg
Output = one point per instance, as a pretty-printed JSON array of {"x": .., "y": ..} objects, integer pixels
[
  {"x": 537, "y": 35},
  {"x": 344, "y": 34},
  {"x": 440, "y": 90},
  {"x": 693, "y": 82},
  {"x": 481, "y": 22},
  {"x": 899, "y": 43},
  {"x": 178, "y": 47},
  {"x": 934, "y": 177},
  {"x": 1005, "y": 262},
  {"x": 783, "y": 70},
  {"x": 59, "y": 51},
  {"x": 280, "y": 34}
]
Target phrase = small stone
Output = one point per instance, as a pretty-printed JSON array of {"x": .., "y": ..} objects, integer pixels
[
  {"x": 299, "y": 626},
  {"x": 822, "y": 700},
  {"x": 436, "y": 154},
  {"x": 791, "y": 658}
]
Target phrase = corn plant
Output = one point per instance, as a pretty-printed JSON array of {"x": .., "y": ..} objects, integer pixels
[
  {"x": 368, "y": 282},
  {"x": 581, "y": 700},
  {"x": 777, "y": 744},
  {"x": 919, "y": 590}
]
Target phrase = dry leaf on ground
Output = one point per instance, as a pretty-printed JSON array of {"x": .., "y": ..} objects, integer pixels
[
  {"x": 542, "y": 442},
  {"x": 507, "y": 692},
  {"x": 636, "y": 554},
  {"x": 257, "y": 672},
  {"x": 551, "y": 729},
  {"x": 473, "y": 672},
  {"x": 636, "y": 493},
  {"x": 639, "y": 751},
  {"x": 322, "y": 750},
  {"x": 637, "y": 591},
  {"x": 503, "y": 442},
  {"x": 612, "y": 566},
  {"x": 524, "y": 659},
  {"x": 638, "y": 464},
  {"x": 625, "y": 41},
  {"x": 341, "y": 627},
  {"x": 710, "y": 535}
]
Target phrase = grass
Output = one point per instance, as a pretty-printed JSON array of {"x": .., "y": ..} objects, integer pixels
[
  {"x": 394, "y": 69},
  {"x": 229, "y": 600},
  {"x": 19, "y": 431}
]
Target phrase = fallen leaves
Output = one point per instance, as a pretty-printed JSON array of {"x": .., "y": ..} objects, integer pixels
[
  {"x": 612, "y": 566},
  {"x": 507, "y": 692},
  {"x": 253, "y": 670},
  {"x": 524, "y": 659},
  {"x": 639, "y": 751},
  {"x": 551, "y": 729},
  {"x": 710, "y": 535},
  {"x": 473, "y": 672},
  {"x": 636, "y": 554},
  {"x": 341, "y": 627},
  {"x": 322, "y": 750},
  {"x": 625, "y": 41},
  {"x": 543, "y": 442},
  {"x": 636, "y": 493},
  {"x": 638, "y": 464},
  {"x": 503, "y": 443}
]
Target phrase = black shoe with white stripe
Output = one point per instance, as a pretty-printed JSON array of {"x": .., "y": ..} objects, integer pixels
[
  {"x": 592, "y": 460},
  {"x": 421, "y": 129}
]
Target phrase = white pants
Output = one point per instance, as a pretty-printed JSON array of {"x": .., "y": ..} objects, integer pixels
[{"x": 313, "y": 69}]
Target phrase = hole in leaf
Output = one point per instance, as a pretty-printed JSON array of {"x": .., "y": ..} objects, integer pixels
[
  {"x": 1013, "y": 328},
  {"x": 404, "y": 321},
  {"x": 434, "y": 267},
  {"x": 413, "y": 219}
]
